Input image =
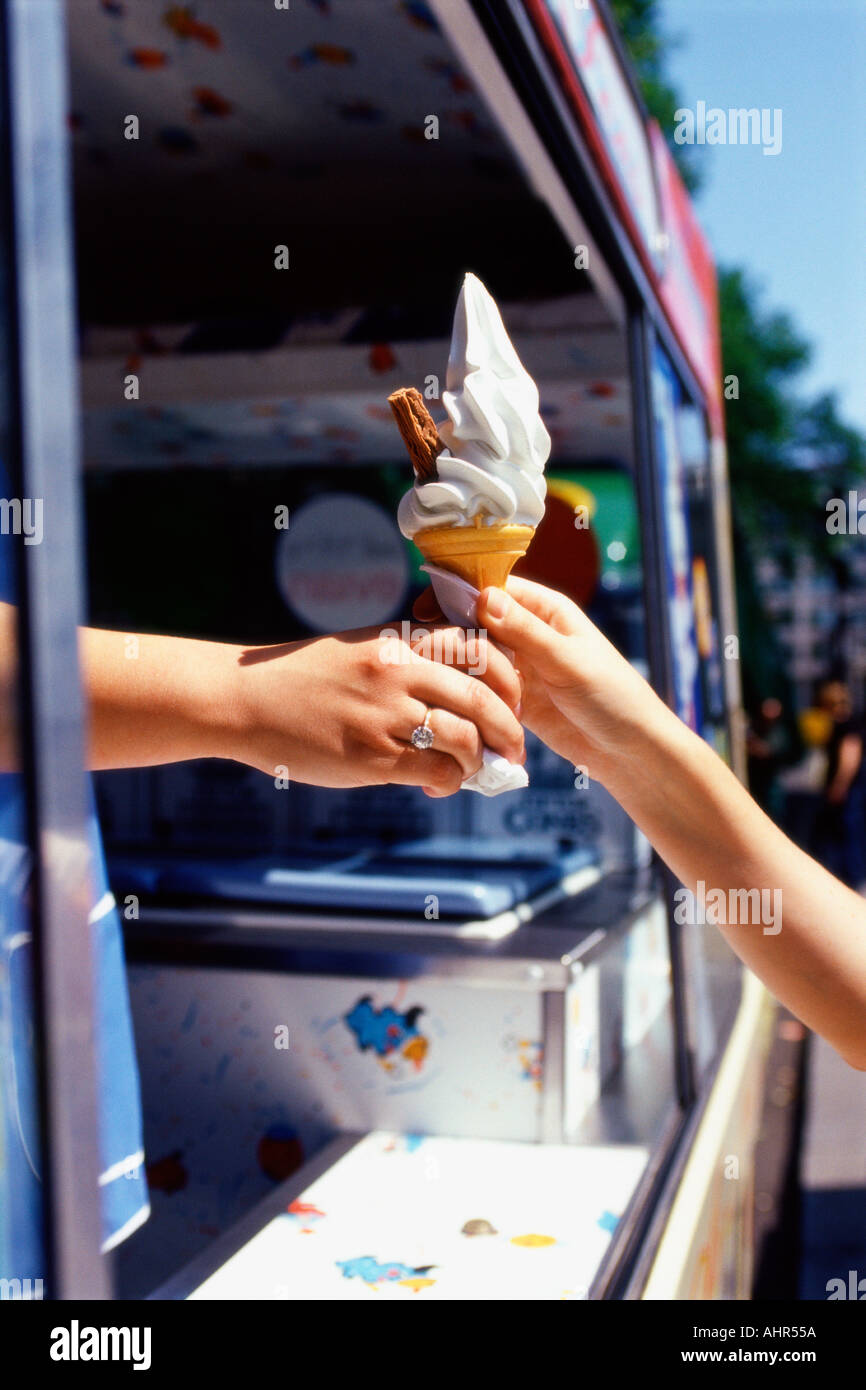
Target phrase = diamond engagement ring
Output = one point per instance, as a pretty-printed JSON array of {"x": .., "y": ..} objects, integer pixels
[{"x": 422, "y": 734}]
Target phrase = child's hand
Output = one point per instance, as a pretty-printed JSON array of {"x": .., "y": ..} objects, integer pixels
[{"x": 581, "y": 697}]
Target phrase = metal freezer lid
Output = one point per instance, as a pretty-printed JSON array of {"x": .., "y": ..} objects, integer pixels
[{"x": 543, "y": 953}]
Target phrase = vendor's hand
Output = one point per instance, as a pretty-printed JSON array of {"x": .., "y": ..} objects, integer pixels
[
  {"x": 580, "y": 696},
  {"x": 339, "y": 711}
]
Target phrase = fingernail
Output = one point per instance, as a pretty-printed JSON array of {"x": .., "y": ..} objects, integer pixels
[
  {"x": 518, "y": 709},
  {"x": 496, "y": 603}
]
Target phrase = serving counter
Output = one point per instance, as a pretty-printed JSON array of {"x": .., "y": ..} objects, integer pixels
[{"x": 263, "y": 1036}]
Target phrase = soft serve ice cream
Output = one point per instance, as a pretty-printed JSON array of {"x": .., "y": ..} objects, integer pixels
[
  {"x": 476, "y": 501},
  {"x": 491, "y": 471}
]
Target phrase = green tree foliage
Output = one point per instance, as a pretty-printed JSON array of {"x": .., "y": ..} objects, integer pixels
[{"x": 763, "y": 352}]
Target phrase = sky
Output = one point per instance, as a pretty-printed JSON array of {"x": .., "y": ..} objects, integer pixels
[{"x": 795, "y": 220}]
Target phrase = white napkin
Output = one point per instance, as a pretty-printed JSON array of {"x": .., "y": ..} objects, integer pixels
[{"x": 458, "y": 601}]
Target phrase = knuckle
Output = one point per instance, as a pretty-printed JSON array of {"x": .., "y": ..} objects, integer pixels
[
  {"x": 513, "y": 730},
  {"x": 508, "y": 683},
  {"x": 365, "y": 742},
  {"x": 378, "y": 663},
  {"x": 466, "y": 738},
  {"x": 445, "y": 775},
  {"x": 479, "y": 701}
]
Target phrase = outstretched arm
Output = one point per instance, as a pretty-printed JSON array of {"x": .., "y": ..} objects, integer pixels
[
  {"x": 585, "y": 701},
  {"x": 332, "y": 711}
]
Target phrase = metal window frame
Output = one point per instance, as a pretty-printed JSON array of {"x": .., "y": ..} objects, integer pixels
[
  {"x": 46, "y": 439},
  {"x": 642, "y": 345}
]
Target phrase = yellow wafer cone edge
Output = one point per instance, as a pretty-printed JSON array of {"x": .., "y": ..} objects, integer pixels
[{"x": 482, "y": 555}]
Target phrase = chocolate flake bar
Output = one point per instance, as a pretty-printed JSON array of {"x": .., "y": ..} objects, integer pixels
[{"x": 418, "y": 429}]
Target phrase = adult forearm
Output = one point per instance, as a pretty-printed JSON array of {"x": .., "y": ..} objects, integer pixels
[
  {"x": 811, "y": 948},
  {"x": 329, "y": 711},
  {"x": 155, "y": 699}
]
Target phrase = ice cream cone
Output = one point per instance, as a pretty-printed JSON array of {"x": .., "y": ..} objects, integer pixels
[{"x": 482, "y": 555}]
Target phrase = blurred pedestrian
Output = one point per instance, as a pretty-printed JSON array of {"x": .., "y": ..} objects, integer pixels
[
  {"x": 766, "y": 745},
  {"x": 841, "y": 827}
]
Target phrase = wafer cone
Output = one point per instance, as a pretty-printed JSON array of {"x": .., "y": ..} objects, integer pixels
[{"x": 482, "y": 555}]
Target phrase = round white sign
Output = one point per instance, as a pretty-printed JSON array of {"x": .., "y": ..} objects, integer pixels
[{"x": 342, "y": 563}]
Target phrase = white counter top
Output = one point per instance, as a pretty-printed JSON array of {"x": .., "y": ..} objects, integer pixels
[{"x": 414, "y": 1218}]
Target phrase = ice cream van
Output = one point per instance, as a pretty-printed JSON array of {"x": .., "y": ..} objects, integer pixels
[{"x": 268, "y": 1041}]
